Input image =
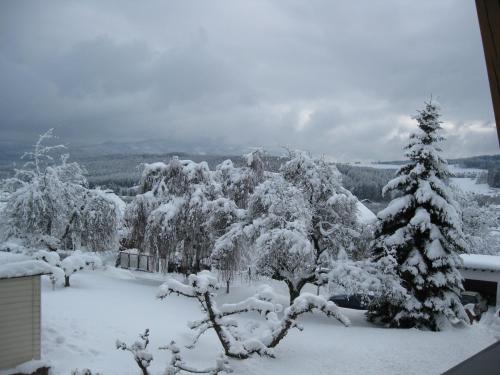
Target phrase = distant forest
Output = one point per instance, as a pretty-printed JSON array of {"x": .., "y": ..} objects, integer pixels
[
  {"x": 366, "y": 182},
  {"x": 121, "y": 172},
  {"x": 488, "y": 162}
]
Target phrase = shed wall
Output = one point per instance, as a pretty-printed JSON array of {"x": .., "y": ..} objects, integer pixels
[{"x": 19, "y": 320}]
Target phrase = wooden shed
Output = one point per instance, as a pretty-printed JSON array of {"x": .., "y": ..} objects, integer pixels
[{"x": 20, "y": 312}]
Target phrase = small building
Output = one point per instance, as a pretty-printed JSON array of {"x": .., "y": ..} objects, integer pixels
[
  {"x": 20, "y": 312},
  {"x": 482, "y": 274}
]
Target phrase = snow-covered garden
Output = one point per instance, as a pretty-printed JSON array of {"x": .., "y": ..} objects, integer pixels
[
  {"x": 246, "y": 261},
  {"x": 81, "y": 324}
]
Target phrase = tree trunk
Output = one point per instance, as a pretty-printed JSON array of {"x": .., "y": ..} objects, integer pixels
[
  {"x": 143, "y": 369},
  {"x": 227, "y": 286},
  {"x": 293, "y": 290},
  {"x": 219, "y": 331},
  {"x": 66, "y": 281}
]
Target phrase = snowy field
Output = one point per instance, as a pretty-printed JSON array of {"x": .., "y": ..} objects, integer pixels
[
  {"x": 80, "y": 325},
  {"x": 469, "y": 185}
]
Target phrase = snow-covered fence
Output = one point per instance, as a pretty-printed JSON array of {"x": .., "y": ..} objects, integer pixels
[{"x": 142, "y": 262}]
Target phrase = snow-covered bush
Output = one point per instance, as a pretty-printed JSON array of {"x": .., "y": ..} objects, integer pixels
[
  {"x": 237, "y": 341},
  {"x": 419, "y": 236},
  {"x": 50, "y": 204},
  {"x": 364, "y": 277},
  {"x": 63, "y": 269}
]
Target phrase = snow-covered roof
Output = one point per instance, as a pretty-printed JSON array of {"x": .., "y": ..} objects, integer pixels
[
  {"x": 481, "y": 262},
  {"x": 24, "y": 268},
  {"x": 365, "y": 215}
]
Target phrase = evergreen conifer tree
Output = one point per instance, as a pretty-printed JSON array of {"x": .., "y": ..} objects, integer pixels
[{"x": 419, "y": 236}]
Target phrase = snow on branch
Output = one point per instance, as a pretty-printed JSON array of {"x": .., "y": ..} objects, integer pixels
[
  {"x": 305, "y": 303},
  {"x": 237, "y": 342},
  {"x": 138, "y": 349},
  {"x": 177, "y": 364},
  {"x": 198, "y": 285},
  {"x": 84, "y": 371}
]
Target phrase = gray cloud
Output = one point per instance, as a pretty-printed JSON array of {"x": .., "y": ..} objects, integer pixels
[{"x": 341, "y": 79}]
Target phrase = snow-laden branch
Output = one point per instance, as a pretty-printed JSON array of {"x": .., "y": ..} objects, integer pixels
[
  {"x": 305, "y": 303},
  {"x": 236, "y": 342},
  {"x": 198, "y": 285},
  {"x": 138, "y": 349},
  {"x": 177, "y": 364}
]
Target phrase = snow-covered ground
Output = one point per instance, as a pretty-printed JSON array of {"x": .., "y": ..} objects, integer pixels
[
  {"x": 470, "y": 185},
  {"x": 80, "y": 325}
]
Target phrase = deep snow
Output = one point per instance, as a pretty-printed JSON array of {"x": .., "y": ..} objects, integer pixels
[{"x": 80, "y": 325}]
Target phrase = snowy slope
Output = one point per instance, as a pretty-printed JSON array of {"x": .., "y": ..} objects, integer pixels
[
  {"x": 80, "y": 325},
  {"x": 365, "y": 215}
]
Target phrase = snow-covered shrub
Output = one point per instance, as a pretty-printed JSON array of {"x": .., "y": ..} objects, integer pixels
[
  {"x": 419, "y": 236},
  {"x": 237, "y": 341},
  {"x": 366, "y": 278},
  {"x": 63, "y": 269},
  {"x": 50, "y": 204}
]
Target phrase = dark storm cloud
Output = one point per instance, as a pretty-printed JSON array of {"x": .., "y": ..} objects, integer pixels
[{"x": 342, "y": 79}]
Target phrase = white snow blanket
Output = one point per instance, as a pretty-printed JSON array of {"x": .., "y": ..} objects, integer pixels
[{"x": 24, "y": 268}]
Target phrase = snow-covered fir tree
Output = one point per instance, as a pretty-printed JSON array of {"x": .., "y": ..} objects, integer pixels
[{"x": 419, "y": 236}]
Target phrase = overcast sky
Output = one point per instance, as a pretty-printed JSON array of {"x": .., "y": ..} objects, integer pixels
[{"x": 341, "y": 78}]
